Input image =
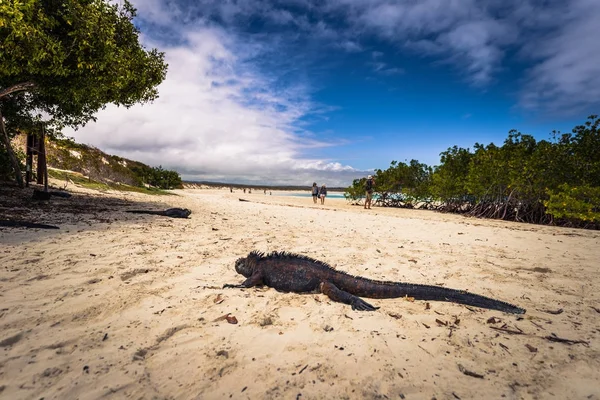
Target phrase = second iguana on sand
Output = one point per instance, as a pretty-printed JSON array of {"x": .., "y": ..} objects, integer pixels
[
  {"x": 170, "y": 212},
  {"x": 289, "y": 272}
]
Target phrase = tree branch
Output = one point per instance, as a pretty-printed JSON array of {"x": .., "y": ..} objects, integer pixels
[{"x": 19, "y": 87}]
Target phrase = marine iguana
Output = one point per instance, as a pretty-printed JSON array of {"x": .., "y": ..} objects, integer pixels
[
  {"x": 171, "y": 212},
  {"x": 287, "y": 272},
  {"x": 26, "y": 224},
  {"x": 42, "y": 195}
]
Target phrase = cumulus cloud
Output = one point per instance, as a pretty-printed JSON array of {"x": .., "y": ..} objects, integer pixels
[
  {"x": 218, "y": 118},
  {"x": 473, "y": 35},
  {"x": 462, "y": 32},
  {"x": 565, "y": 78},
  {"x": 236, "y": 100}
]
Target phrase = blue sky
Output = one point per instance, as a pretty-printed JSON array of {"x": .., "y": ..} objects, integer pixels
[{"x": 296, "y": 91}]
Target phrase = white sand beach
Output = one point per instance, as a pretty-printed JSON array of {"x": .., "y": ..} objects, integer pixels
[{"x": 125, "y": 306}]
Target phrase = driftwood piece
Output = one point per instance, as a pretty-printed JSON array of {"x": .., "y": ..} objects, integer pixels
[
  {"x": 553, "y": 312},
  {"x": 554, "y": 338},
  {"x": 506, "y": 330},
  {"x": 469, "y": 373}
]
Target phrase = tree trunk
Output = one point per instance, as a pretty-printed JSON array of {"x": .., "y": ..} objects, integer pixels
[
  {"x": 42, "y": 170},
  {"x": 29, "y": 159},
  {"x": 45, "y": 160},
  {"x": 11, "y": 154}
]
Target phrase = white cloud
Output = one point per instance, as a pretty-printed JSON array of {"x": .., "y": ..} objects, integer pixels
[
  {"x": 351, "y": 46},
  {"x": 559, "y": 38},
  {"x": 384, "y": 69},
  {"x": 566, "y": 78},
  {"x": 218, "y": 118},
  {"x": 460, "y": 32}
]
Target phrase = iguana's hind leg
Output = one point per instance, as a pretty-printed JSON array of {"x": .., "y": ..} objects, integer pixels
[
  {"x": 336, "y": 294},
  {"x": 254, "y": 280}
]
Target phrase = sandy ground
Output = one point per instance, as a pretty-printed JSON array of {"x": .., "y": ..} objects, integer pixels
[{"x": 118, "y": 306}]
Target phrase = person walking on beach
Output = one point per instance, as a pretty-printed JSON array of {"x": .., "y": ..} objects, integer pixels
[
  {"x": 315, "y": 192},
  {"x": 322, "y": 194},
  {"x": 369, "y": 191}
]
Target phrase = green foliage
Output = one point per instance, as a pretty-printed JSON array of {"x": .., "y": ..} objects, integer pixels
[
  {"x": 78, "y": 179},
  {"x": 73, "y": 57},
  {"x": 401, "y": 185},
  {"x": 522, "y": 180},
  {"x": 67, "y": 59},
  {"x": 68, "y": 155},
  {"x": 449, "y": 178},
  {"x": 355, "y": 192},
  {"x": 574, "y": 203},
  {"x": 164, "y": 179}
]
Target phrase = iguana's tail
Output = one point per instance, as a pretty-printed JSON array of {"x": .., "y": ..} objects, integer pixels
[
  {"x": 145, "y": 212},
  {"x": 363, "y": 287}
]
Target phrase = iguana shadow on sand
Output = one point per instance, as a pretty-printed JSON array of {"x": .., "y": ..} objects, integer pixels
[{"x": 287, "y": 272}]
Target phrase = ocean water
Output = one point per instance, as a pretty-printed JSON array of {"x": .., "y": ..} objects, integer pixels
[{"x": 330, "y": 195}]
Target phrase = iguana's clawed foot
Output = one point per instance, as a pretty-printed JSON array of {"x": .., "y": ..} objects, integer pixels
[{"x": 359, "y": 304}]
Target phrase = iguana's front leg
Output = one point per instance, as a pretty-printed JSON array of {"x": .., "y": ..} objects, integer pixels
[
  {"x": 254, "y": 280},
  {"x": 336, "y": 294}
]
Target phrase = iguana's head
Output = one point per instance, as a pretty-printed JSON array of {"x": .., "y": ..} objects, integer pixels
[{"x": 243, "y": 267}]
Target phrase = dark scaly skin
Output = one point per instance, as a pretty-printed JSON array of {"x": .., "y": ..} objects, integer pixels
[
  {"x": 288, "y": 272},
  {"x": 26, "y": 224},
  {"x": 171, "y": 212}
]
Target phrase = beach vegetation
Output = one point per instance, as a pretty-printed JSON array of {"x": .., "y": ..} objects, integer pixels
[
  {"x": 75, "y": 178},
  {"x": 572, "y": 203},
  {"x": 554, "y": 181},
  {"x": 66, "y": 154}
]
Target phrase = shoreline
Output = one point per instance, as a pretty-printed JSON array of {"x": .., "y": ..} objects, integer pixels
[{"x": 137, "y": 300}]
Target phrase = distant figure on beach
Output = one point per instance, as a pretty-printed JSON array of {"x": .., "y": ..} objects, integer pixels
[
  {"x": 250, "y": 191},
  {"x": 231, "y": 190},
  {"x": 322, "y": 194},
  {"x": 315, "y": 192},
  {"x": 265, "y": 191},
  {"x": 244, "y": 190},
  {"x": 270, "y": 193},
  {"x": 369, "y": 191}
]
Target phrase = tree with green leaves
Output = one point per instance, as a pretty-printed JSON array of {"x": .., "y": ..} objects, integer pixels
[
  {"x": 164, "y": 179},
  {"x": 551, "y": 182},
  {"x": 401, "y": 185},
  {"x": 67, "y": 59},
  {"x": 448, "y": 181}
]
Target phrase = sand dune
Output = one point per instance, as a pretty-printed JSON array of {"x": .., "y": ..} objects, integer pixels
[{"x": 116, "y": 305}]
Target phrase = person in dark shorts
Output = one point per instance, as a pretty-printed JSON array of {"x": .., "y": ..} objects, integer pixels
[
  {"x": 315, "y": 192},
  {"x": 369, "y": 191},
  {"x": 323, "y": 194}
]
